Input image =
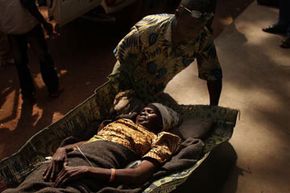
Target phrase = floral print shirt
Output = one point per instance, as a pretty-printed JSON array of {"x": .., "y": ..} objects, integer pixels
[{"x": 147, "y": 59}]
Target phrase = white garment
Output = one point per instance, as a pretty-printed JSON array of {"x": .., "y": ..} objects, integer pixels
[{"x": 14, "y": 18}]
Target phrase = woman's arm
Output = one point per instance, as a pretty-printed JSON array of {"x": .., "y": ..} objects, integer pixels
[
  {"x": 134, "y": 176},
  {"x": 137, "y": 175}
]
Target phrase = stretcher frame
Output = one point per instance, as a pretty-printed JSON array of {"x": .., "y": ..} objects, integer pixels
[{"x": 16, "y": 167}]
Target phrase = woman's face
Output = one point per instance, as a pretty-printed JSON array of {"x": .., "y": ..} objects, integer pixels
[{"x": 150, "y": 118}]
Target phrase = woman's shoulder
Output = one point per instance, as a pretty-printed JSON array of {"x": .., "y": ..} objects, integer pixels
[
  {"x": 165, "y": 135},
  {"x": 125, "y": 121}
]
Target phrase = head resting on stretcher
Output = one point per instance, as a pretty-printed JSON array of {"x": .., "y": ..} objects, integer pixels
[{"x": 158, "y": 116}]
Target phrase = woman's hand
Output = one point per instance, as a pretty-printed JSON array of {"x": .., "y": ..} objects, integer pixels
[
  {"x": 70, "y": 173},
  {"x": 57, "y": 163}
]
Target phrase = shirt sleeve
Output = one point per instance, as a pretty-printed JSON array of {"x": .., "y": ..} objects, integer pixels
[
  {"x": 163, "y": 147},
  {"x": 128, "y": 47},
  {"x": 207, "y": 61},
  {"x": 127, "y": 54}
]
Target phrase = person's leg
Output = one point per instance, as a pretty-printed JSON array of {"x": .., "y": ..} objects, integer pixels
[
  {"x": 19, "y": 52},
  {"x": 284, "y": 19},
  {"x": 49, "y": 75},
  {"x": 5, "y": 51},
  {"x": 52, "y": 7},
  {"x": 284, "y": 13}
]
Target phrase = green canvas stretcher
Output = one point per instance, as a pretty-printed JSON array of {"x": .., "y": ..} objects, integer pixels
[{"x": 15, "y": 168}]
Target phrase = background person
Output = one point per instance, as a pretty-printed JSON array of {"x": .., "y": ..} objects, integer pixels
[
  {"x": 5, "y": 51},
  {"x": 22, "y": 22}
]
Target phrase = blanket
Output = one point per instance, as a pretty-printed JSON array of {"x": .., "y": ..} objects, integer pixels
[
  {"x": 191, "y": 151},
  {"x": 110, "y": 155}
]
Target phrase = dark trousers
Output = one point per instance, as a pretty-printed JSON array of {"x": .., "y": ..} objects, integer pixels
[
  {"x": 37, "y": 41},
  {"x": 284, "y": 14}
]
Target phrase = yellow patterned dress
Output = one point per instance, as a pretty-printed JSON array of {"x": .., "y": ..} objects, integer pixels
[{"x": 135, "y": 137}]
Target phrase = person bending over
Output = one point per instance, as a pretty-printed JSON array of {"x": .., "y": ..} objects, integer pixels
[{"x": 160, "y": 46}]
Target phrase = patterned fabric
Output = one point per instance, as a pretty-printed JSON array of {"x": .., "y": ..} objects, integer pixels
[
  {"x": 138, "y": 139},
  {"x": 147, "y": 59}
]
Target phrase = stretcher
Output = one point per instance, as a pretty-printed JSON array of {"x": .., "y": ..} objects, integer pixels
[{"x": 96, "y": 108}]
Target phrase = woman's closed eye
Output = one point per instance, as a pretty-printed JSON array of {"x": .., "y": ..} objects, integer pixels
[{"x": 148, "y": 110}]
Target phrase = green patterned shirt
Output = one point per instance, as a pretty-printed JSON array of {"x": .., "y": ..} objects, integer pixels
[{"x": 147, "y": 59}]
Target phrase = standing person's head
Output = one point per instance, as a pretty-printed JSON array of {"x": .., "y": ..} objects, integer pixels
[
  {"x": 157, "y": 117},
  {"x": 192, "y": 15}
]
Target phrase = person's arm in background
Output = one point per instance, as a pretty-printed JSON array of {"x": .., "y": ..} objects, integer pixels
[{"x": 32, "y": 8}]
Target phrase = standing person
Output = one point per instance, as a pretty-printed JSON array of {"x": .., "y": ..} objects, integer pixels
[
  {"x": 160, "y": 46},
  {"x": 23, "y": 23},
  {"x": 283, "y": 24}
]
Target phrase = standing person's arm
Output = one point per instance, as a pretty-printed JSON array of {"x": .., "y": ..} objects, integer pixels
[
  {"x": 209, "y": 69},
  {"x": 32, "y": 8},
  {"x": 214, "y": 90},
  {"x": 127, "y": 53}
]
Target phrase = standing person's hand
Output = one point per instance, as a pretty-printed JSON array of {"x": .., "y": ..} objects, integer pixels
[
  {"x": 57, "y": 163},
  {"x": 51, "y": 33}
]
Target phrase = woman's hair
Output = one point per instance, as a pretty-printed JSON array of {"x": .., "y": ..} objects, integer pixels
[{"x": 170, "y": 118}]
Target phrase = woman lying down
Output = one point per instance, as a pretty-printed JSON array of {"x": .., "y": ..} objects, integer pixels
[{"x": 91, "y": 165}]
